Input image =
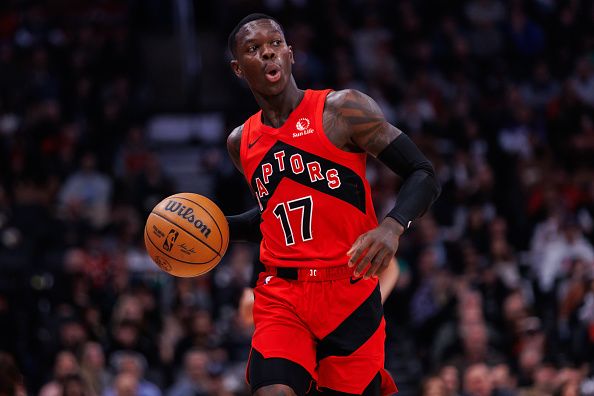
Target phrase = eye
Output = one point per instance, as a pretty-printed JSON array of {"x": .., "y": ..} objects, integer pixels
[
  {"x": 277, "y": 42},
  {"x": 252, "y": 48}
]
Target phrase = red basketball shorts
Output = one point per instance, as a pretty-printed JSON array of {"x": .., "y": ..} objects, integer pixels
[{"x": 335, "y": 329}]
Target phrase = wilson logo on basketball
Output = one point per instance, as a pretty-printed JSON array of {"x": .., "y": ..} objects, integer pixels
[
  {"x": 302, "y": 126},
  {"x": 187, "y": 214}
]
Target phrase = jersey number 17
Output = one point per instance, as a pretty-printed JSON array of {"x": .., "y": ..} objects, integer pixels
[{"x": 305, "y": 204}]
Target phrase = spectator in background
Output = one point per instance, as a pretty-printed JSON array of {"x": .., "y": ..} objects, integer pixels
[
  {"x": 504, "y": 263},
  {"x": 200, "y": 334},
  {"x": 568, "y": 389},
  {"x": 543, "y": 381},
  {"x": 583, "y": 81},
  {"x": 527, "y": 39},
  {"x": 129, "y": 370},
  {"x": 582, "y": 143},
  {"x": 469, "y": 339},
  {"x": 127, "y": 336},
  {"x": 72, "y": 334},
  {"x": 93, "y": 369},
  {"x": 65, "y": 365},
  {"x": 127, "y": 384},
  {"x": 151, "y": 185},
  {"x": 195, "y": 380},
  {"x": 433, "y": 386},
  {"x": 11, "y": 380},
  {"x": 485, "y": 39},
  {"x": 477, "y": 381},
  {"x": 432, "y": 299},
  {"x": 484, "y": 11},
  {"x": 416, "y": 111},
  {"x": 74, "y": 385},
  {"x": 87, "y": 192},
  {"x": 367, "y": 42},
  {"x": 451, "y": 379},
  {"x": 518, "y": 139},
  {"x": 569, "y": 245},
  {"x": 541, "y": 89},
  {"x": 231, "y": 279},
  {"x": 570, "y": 382},
  {"x": 504, "y": 384},
  {"x": 133, "y": 154}
]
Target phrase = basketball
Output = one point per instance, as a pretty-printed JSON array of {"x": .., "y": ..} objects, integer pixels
[{"x": 186, "y": 234}]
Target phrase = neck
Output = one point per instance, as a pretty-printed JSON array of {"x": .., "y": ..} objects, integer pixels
[{"x": 276, "y": 109}]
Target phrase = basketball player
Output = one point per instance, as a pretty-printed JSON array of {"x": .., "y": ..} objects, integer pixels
[{"x": 317, "y": 312}]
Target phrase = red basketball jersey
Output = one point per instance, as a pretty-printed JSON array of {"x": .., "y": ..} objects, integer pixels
[{"x": 314, "y": 198}]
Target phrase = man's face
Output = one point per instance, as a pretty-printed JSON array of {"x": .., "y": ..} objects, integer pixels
[{"x": 263, "y": 58}]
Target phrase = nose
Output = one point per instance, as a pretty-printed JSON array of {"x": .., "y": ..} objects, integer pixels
[{"x": 268, "y": 52}]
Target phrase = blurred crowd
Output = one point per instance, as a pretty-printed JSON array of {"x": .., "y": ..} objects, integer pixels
[{"x": 496, "y": 287}]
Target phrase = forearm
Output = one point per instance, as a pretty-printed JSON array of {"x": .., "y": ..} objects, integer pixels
[
  {"x": 416, "y": 195},
  {"x": 420, "y": 188},
  {"x": 388, "y": 279},
  {"x": 245, "y": 226}
]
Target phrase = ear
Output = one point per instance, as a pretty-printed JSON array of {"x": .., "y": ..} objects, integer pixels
[
  {"x": 236, "y": 68},
  {"x": 292, "y": 57}
]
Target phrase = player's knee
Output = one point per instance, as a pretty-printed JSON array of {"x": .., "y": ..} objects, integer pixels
[{"x": 276, "y": 390}]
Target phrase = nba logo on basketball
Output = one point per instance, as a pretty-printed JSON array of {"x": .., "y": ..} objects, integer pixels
[{"x": 171, "y": 237}]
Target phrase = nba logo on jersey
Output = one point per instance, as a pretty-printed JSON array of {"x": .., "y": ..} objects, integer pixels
[{"x": 302, "y": 126}]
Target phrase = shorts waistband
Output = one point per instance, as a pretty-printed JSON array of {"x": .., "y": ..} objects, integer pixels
[{"x": 311, "y": 274}]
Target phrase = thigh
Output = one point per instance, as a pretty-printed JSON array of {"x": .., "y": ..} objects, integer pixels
[
  {"x": 351, "y": 357},
  {"x": 283, "y": 348},
  {"x": 272, "y": 376},
  {"x": 357, "y": 373}
]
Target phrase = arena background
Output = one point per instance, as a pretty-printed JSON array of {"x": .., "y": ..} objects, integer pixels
[{"x": 108, "y": 106}]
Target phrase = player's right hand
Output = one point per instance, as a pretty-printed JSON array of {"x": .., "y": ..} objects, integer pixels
[{"x": 372, "y": 251}]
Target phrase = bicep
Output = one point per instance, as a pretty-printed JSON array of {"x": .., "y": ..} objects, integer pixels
[
  {"x": 234, "y": 147},
  {"x": 368, "y": 127}
]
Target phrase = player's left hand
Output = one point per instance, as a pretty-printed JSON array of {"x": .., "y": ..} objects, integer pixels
[{"x": 375, "y": 248}]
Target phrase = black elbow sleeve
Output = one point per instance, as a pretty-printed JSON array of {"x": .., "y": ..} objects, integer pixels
[
  {"x": 245, "y": 226},
  {"x": 420, "y": 188},
  {"x": 404, "y": 157}
]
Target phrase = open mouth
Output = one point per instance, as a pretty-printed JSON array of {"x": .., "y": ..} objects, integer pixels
[{"x": 273, "y": 73}]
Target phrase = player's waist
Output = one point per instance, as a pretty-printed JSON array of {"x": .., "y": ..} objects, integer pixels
[{"x": 311, "y": 274}]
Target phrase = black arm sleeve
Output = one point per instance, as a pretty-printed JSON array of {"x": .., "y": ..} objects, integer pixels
[
  {"x": 420, "y": 188},
  {"x": 257, "y": 268},
  {"x": 245, "y": 226}
]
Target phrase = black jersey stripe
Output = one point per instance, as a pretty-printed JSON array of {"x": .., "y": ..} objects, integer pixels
[
  {"x": 351, "y": 190},
  {"x": 355, "y": 330},
  {"x": 271, "y": 371}
]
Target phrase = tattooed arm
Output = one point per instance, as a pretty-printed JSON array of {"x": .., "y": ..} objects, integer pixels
[{"x": 354, "y": 122}]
